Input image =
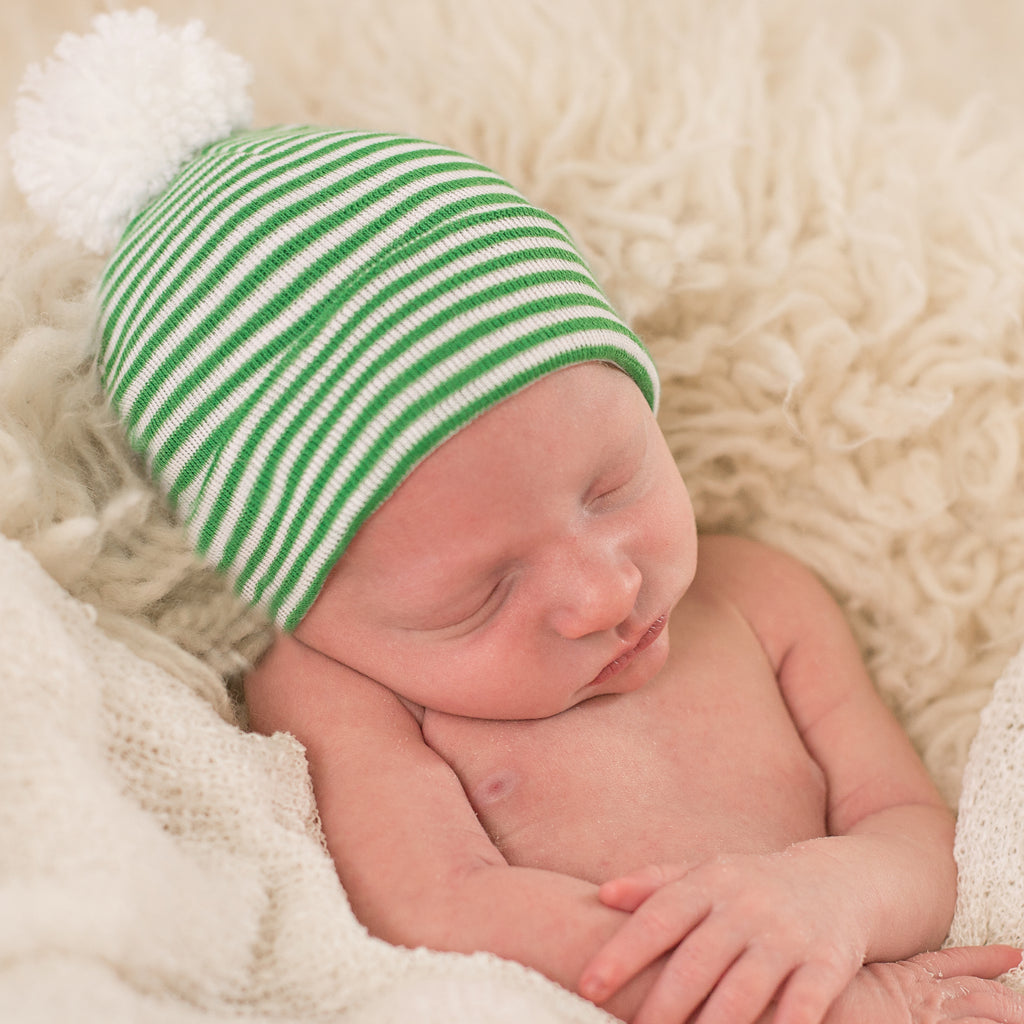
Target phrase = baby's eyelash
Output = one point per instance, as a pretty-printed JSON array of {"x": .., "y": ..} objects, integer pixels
[
  {"x": 620, "y": 487},
  {"x": 468, "y": 621},
  {"x": 619, "y": 477},
  {"x": 485, "y": 602}
]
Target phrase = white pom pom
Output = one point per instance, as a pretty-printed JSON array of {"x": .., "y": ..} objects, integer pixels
[{"x": 106, "y": 123}]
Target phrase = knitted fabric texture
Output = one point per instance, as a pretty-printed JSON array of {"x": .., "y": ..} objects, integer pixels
[
  {"x": 304, "y": 315},
  {"x": 990, "y": 824}
]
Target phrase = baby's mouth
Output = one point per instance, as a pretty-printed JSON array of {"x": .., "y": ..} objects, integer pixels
[{"x": 619, "y": 663}]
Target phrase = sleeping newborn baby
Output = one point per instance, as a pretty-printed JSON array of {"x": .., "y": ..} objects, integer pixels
[
  {"x": 543, "y": 719},
  {"x": 387, "y": 398}
]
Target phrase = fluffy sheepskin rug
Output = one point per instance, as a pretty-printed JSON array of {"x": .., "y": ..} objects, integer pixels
[{"x": 814, "y": 216}]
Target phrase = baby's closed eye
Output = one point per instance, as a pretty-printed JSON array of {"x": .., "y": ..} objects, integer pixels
[{"x": 464, "y": 617}]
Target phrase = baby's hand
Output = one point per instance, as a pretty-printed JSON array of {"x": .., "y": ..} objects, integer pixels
[
  {"x": 740, "y": 933},
  {"x": 934, "y": 988}
]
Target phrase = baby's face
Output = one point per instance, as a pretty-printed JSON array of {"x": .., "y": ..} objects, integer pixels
[{"x": 528, "y": 564}]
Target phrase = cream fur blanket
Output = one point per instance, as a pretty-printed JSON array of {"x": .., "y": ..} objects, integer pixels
[{"x": 814, "y": 213}]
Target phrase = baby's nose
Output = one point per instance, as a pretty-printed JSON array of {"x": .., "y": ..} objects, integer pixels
[{"x": 596, "y": 593}]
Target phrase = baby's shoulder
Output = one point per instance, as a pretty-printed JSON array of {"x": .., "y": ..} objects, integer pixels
[
  {"x": 777, "y": 594},
  {"x": 732, "y": 562}
]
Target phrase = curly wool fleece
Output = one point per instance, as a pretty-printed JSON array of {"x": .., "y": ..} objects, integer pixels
[{"x": 827, "y": 265}]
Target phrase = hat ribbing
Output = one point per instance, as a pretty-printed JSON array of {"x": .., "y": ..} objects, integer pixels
[{"x": 304, "y": 315}]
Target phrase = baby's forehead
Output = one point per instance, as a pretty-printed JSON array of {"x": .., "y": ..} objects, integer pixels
[
  {"x": 540, "y": 419},
  {"x": 586, "y": 388},
  {"x": 541, "y": 442}
]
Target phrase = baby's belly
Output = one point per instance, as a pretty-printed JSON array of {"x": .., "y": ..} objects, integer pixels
[{"x": 623, "y": 781}]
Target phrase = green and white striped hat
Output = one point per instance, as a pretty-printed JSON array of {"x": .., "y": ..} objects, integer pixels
[{"x": 293, "y": 319}]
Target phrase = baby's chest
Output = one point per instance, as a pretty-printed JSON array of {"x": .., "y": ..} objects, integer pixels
[{"x": 658, "y": 775}]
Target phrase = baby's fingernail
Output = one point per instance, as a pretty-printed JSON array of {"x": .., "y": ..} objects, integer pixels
[{"x": 594, "y": 988}]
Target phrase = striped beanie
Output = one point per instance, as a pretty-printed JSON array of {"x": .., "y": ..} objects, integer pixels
[{"x": 294, "y": 318}]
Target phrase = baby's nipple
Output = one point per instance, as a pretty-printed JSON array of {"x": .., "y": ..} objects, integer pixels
[{"x": 494, "y": 787}]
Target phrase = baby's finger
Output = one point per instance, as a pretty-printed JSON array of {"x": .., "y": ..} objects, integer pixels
[
  {"x": 660, "y": 925},
  {"x": 745, "y": 991},
  {"x": 975, "y": 961},
  {"x": 980, "y": 1001},
  {"x": 714, "y": 969},
  {"x": 812, "y": 989},
  {"x": 629, "y": 891}
]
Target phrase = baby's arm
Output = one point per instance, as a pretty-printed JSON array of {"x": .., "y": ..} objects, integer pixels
[
  {"x": 880, "y": 887},
  {"x": 414, "y": 860},
  {"x": 886, "y": 821}
]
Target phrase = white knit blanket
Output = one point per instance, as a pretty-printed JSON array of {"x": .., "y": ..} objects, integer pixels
[
  {"x": 159, "y": 864},
  {"x": 990, "y": 827}
]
